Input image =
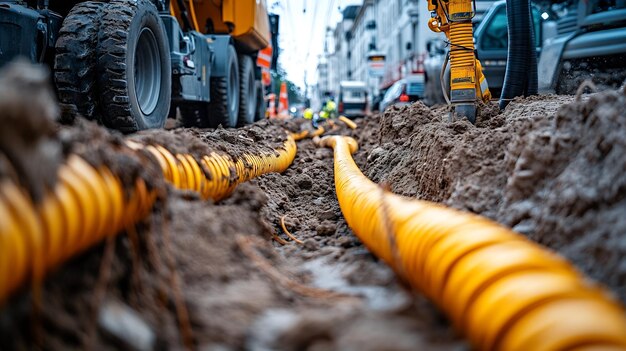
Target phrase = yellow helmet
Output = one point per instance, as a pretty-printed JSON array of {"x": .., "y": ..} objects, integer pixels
[{"x": 308, "y": 113}]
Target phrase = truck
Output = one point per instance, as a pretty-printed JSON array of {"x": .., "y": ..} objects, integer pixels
[
  {"x": 129, "y": 64},
  {"x": 352, "y": 101}
]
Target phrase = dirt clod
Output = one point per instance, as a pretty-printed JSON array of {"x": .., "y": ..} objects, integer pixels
[{"x": 28, "y": 143}]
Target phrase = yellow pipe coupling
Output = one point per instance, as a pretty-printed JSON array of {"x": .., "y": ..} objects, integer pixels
[
  {"x": 501, "y": 290},
  {"x": 86, "y": 205},
  {"x": 216, "y": 175}
]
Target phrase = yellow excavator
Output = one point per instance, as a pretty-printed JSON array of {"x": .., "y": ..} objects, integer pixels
[{"x": 468, "y": 84}]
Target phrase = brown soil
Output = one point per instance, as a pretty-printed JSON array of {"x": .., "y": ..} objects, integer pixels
[
  {"x": 28, "y": 146},
  {"x": 264, "y": 136},
  {"x": 549, "y": 167},
  {"x": 552, "y": 173}
]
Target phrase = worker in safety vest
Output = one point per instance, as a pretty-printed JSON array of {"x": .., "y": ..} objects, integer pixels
[
  {"x": 310, "y": 115},
  {"x": 329, "y": 110}
]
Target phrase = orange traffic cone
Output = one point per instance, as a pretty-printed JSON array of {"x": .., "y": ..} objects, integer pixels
[
  {"x": 283, "y": 102},
  {"x": 272, "y": 105}
]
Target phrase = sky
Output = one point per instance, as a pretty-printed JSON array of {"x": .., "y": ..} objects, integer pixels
[{"x": 302, "y": 31}]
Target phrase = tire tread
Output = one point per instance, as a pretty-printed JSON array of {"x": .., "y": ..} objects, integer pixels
[
  {"x": 246, "y": 71},
  {"x": 112, "y": 53},
  {"x": 76, "y": 60}
]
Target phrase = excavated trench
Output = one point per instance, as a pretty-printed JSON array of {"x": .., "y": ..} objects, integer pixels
[{"x": 224, "y": 276}]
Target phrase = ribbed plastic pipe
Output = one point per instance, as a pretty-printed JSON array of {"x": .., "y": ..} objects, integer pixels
[
  {"x": 216, "y": 175},
  {"x": 301, "y": 135},
  {"x": 502, "y": 291},
  {"x": 86, "y": 206}
]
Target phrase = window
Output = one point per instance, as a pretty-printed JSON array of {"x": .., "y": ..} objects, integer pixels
[
  {"x": 607, "y": 5},
  {"x": 496, "y": 36},
  {"x": 537, "y": 24},
  {"x": 394, "y": 91},
  {"x": 356, "y": 94}
]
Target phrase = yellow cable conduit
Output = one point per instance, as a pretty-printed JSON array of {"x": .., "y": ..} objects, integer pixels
[
  {"x": 89, "y": 204},
  {"x": 86, "y": 206},
  {"x": 320, "y": 130},
  {"x": 216, "y": 175},
  {"x": 501, "y": 290}
]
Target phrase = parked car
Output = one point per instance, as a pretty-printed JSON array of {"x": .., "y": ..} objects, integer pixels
[
  {"x": 492, "y": 42},
  {"x": 377, "y": 99},
  {"x": 404, "y": 91},
  {"x": 353, "y": 100}
]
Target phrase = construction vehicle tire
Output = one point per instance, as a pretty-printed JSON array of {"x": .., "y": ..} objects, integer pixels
[
  {"x": 75, "y": 61},
  {"x": 247, "y": 91},
  {"x": 260, "y": 102},
  {"x": 224, "y": 106},
  {"x": 134, "y": 66}
]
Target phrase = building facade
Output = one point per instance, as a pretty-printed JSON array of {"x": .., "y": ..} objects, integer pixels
[{"x": 397, "y": 29}]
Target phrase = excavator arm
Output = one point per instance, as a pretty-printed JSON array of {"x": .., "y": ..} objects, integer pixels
[{"x": 467, "y": 81}]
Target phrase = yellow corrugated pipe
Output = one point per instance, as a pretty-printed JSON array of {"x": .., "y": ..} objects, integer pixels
[
  {"x": 501, "y": 290},
  {"x": 89, "y": 204},
  {"x": 319, "y": 131},
  {"x": 348, "y": 122},
  {"x": 301, "y": 135},
  {"x": 215, "y": 176},
  {"x": 307, "y": 134},
  {"x": 86, "y": 206}
]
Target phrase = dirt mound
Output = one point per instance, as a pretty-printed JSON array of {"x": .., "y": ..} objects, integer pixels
[
  {"x": 552, "y": 173},
  {"x": 264, "y": 136},
  {"x": 566, "y": 187}
]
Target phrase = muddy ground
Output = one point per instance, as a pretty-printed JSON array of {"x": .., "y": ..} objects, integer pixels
[{"x": 549, "y": 167}]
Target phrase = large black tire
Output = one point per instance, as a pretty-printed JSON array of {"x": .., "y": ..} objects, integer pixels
[
  {"x": 134, "y": 66},
  {"x": 76, "y": 60},
  {"x": 260, "y": 102},
  {"x": 247, "y": 91},
  {"x": 224, "y": 107}
]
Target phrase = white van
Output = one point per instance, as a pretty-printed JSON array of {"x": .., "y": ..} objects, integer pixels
[{"x": 352, "y": 101}]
